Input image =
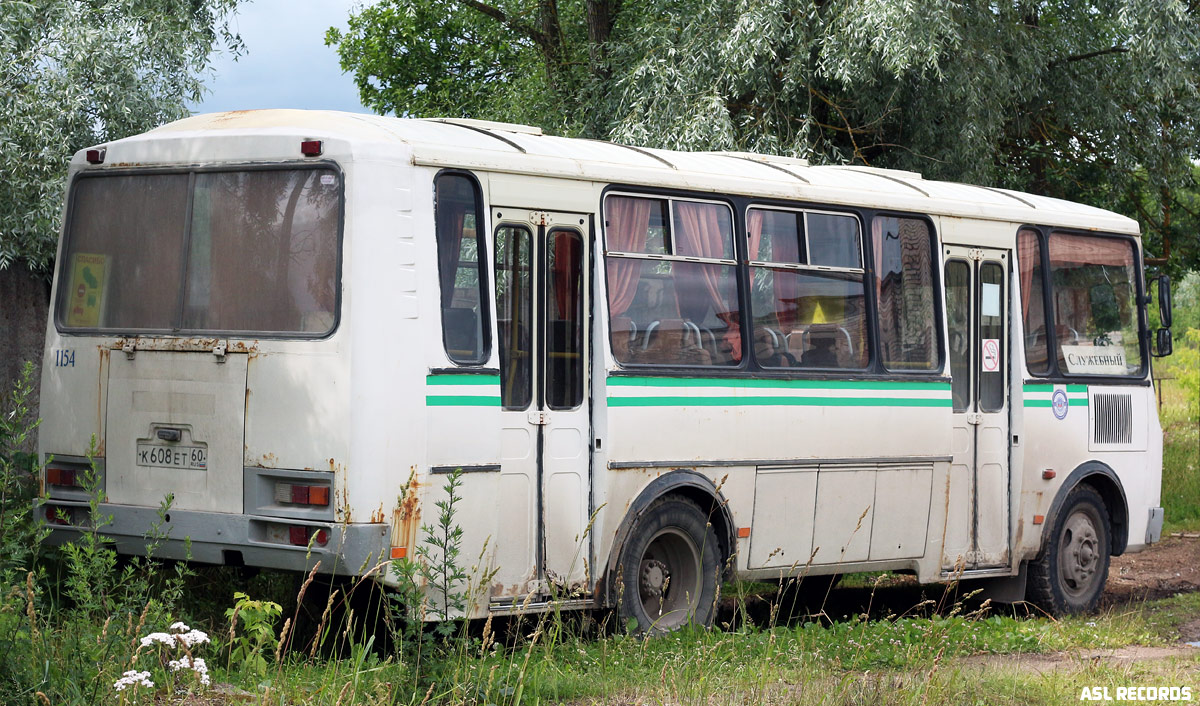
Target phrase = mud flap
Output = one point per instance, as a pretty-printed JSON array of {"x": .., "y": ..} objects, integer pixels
[{"x": 1003, "y": 589}]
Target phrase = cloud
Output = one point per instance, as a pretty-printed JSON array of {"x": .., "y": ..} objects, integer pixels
[{"x": 286, "y": 64}]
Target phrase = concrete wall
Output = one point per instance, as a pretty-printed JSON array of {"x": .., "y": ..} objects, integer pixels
[{"x": 24, "y": 300}]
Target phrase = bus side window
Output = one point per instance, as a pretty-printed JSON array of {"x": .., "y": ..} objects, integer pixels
[
  {"x": 1033, "y": 309},
  {"x": 904, "y": 293},
  {"x": 459, "y": 224}
]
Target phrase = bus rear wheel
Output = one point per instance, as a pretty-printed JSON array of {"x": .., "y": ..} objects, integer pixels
[
  {"x": 669, "y": 568},
  {"x": 1070, "y": 575}
]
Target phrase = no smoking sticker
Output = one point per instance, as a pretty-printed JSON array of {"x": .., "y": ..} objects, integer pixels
[{"x": 991, "y": 355}]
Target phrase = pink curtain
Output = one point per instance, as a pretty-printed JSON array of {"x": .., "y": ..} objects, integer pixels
[
  {"x": 784, "y": 248},
  {"x": 1076, "y": 250},
  {"x": 628, "y": 220},
  {"x": 565, "y": 275},
  {"x": 754, "y": 227},
  {"x": 699, "y": 234},
  {"x": 1029, "y": 258}
]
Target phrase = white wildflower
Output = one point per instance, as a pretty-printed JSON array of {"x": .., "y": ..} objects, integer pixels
[
  {"x": 180, "y": 627},
  {"x": 133, "y": 678},
  {"x": 192, "y": 638},
  {"x": 165, "y": 638},
  {"x": 198, "y": 666}
]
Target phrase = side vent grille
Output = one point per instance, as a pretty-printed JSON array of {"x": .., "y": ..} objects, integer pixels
[{"x": 1113, "y": 419}]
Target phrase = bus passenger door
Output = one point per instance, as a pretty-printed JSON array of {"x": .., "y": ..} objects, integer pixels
[
  {"x": 977, "y": 513},
  {"x": 542, "y": 290}
]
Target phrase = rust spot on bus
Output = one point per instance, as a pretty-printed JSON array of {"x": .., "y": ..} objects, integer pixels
[{"x": 406, "y": 518}]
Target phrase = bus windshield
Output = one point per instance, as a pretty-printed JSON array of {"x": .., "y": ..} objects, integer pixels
[
  {"x": 203, "y": 252},
  {"x": 1095, "y": 313}
]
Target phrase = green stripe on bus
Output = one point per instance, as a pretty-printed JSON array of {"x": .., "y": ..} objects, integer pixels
[
  {"x": 461, "y": 401},
  {"x": 1050, "y": 388},
  {"x": 465, "y": 379},
  {"x": 1075, "y": 402},
  {"x": 780, "y": 384},
  {"x": 775, "y": 401}
]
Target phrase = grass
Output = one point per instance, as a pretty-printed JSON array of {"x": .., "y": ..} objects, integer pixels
[{"x": 1181, "y": 462}]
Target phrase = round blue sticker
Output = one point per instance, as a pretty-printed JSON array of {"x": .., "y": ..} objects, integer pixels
[{"x": 1059, "y": 404}]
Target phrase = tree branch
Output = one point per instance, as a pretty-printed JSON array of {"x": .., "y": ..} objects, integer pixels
[
  {"x": 538, "y": 37},
  {"x": 1089, "y": 55}
]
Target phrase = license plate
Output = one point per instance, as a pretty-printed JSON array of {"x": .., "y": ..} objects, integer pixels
[{"x": 190, "y": 457}]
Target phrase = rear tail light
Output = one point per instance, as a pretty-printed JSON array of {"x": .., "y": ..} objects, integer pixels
[
  {"x": 294, "y": 494},
  {"x": 300, "y": 535},
  {"x": 63, "y": 477},
  {"x": 96, "y": 156},
  {"x": 57, "y": 515},
  {"x": 311, "y": 148}
]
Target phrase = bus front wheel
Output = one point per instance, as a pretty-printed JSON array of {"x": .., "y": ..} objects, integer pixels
[
  {"x": 669, "y": 568},
  {"x": 1069, "y": 577}
]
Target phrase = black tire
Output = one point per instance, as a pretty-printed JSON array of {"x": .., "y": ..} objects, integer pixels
[
  {"x": 1069, "y": 576},
  {"x": 669, "y": 569}
]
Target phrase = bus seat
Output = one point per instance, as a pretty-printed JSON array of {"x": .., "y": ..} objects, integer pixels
[
  {"x": 828, "y": 346},
  {"x": 624, "y": 332},
  {"x": 665, "y": 343},
  {"x": 795, "y": 343}
]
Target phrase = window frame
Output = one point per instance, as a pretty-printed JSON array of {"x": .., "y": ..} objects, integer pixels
[
  {"x": 869, "y": 331},
  {"x": 670, "y": 195},
  {"x": 749, "y": 368},
  {"x": 937, "y": 265},
  {"x": 482, "y": 265},
  {"x": 1055, "y": 375},
  {"x": 191, "y": 171}
]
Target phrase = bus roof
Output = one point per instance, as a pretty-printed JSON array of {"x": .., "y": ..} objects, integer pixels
[{"x": 520, "y": 149}]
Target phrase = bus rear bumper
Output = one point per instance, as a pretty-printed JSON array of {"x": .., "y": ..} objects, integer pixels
[{"x": 233, "y": 539}]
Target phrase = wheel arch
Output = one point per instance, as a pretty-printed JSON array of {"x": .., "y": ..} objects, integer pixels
[
  {"x": 1104, "y": 481},
  {"x": 684, "y": 482}
]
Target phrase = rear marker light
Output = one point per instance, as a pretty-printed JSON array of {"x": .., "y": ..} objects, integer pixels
[
  {"x": 302, "y": 494},
  {"x": 96, "y": 156},
  {"x": 298, "y": 535},
  {"x": 58, "y": 515},
  {"x": 399, "y": 552},
  {"x": 311, "y": 148},
  {"x": 62, "y": 477},
  {"x": 321, "y": 537}
]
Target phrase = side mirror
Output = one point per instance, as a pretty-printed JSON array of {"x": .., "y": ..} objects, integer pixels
[
  {"x": 1164, "y": 302},
  {"x": 1163, "y": 345}
]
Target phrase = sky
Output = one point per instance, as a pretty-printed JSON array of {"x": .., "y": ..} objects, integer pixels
[{"x": 286, "y": 63}]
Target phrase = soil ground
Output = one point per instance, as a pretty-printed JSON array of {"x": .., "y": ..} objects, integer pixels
[{"x": 1165, "y": 569}]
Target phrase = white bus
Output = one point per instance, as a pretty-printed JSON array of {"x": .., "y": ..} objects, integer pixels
[{"x": 657, "y": 370}]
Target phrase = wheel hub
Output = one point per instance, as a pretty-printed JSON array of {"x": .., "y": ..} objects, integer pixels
[
  {"x": 655, "y": 577},
  {"x": 1082, "y": 553}
]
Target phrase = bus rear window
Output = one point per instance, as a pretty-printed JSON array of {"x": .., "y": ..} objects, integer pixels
[{"x": 229, "y": 251}]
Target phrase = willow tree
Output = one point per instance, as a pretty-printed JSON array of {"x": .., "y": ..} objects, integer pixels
[
  {"x": 1090, "y": 100},
  {"x": 81, "y": 72}
]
